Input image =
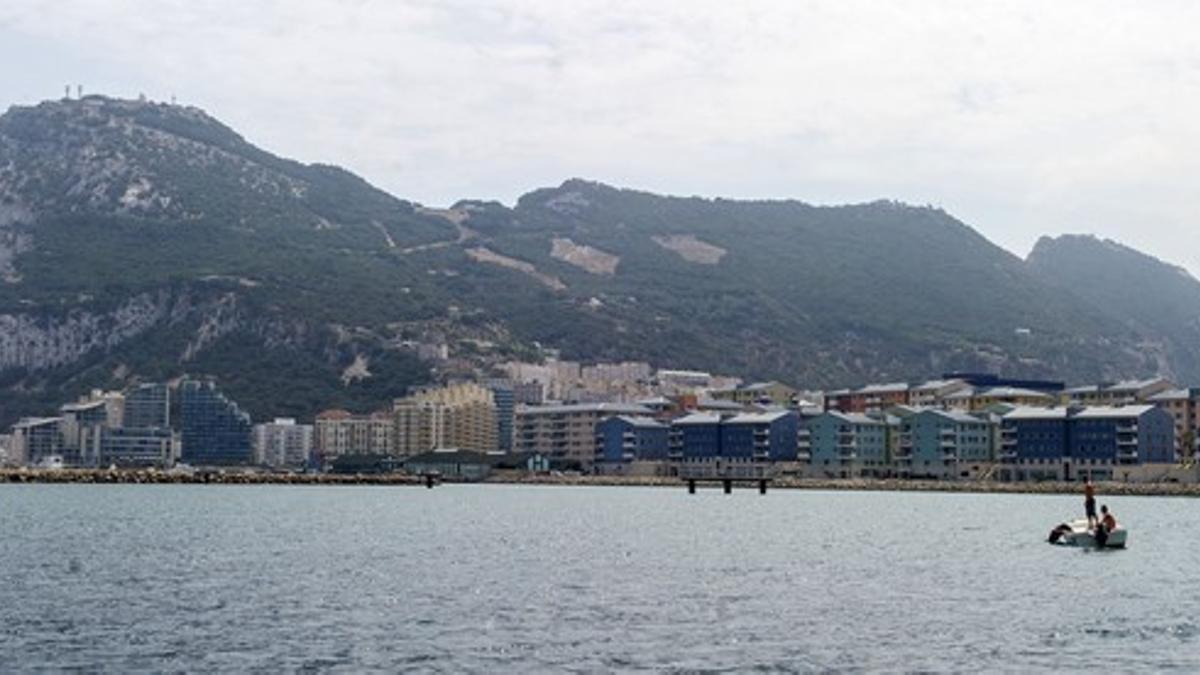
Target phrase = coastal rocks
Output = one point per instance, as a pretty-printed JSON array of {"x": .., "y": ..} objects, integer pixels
[{"x": 210, "y": 477}]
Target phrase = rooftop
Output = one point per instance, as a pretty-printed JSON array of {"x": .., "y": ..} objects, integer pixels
[
  {"x": 641, "y": 422},
  {"x": 857, "y": 418},
  {"x": 1132, "y": 386},
  {"x": 1105, "y": 412},
  {"x": 1037, "y": 414},
  {"x": 758, "y": 417},
  {"x": 888, "y": 388},
  {"x": 698, "y": 418},
  {"x": 1015, "y": 392},
  {"x": 611, "y": 408}
]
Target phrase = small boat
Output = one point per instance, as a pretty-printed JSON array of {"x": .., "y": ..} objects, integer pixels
[{"x": 1077, "y": 533}]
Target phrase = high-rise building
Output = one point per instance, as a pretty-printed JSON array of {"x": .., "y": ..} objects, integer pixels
[
  {"x": 283, "y": 444},
  {"x": 461, "y": 416},
  {"x": 506, "y": 405},
  {"x": 214, "y": 430},
  {"x": 420, "y": 426},
  {"x": 148, "y": 405}
]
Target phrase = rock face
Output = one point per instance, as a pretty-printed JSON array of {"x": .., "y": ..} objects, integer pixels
[
  {"x": 584, "y": 257},
  {"x": 691, "y": 249},
  {"x": 38, "y": 342}
]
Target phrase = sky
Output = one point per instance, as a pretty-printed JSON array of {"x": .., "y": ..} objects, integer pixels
[{"x": 1022, "y": 119}]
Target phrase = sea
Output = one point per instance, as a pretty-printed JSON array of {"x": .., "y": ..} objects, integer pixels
[{"x": 503, "y": 578}]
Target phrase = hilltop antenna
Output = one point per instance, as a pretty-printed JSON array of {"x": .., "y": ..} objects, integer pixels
[
  {"x": 79, "y": 91},
  {"x": 67, "y": 92},
  {"x": 172, "y": 99}
]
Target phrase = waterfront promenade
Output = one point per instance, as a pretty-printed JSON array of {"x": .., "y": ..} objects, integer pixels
[{"x": 102, "y": 476}]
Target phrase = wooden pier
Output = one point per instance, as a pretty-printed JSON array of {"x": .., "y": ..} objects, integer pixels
[{"x": 727, "y": 483}]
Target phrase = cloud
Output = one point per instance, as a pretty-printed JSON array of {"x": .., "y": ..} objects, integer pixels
[{"x": 1022, "y": 118}]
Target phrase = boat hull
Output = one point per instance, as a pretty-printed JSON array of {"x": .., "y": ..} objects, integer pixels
[{"x": 1079, "y": 534}]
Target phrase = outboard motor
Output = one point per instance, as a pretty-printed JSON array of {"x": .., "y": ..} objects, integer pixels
[{"x": 1058, "y": 532}]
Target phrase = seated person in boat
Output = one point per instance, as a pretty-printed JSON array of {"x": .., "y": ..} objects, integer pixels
[{"x": 1107, "y": 519}]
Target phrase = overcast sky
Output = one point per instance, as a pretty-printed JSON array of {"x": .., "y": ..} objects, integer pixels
[{"x": 1020, "y": 118}]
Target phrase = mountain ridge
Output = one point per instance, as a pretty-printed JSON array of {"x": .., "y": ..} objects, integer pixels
[{"x": 305, "y": 270}]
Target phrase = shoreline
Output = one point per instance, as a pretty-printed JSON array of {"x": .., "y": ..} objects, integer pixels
[
  {"x": 155, "y": 477},
  {"x": 1114, "y": 489}
]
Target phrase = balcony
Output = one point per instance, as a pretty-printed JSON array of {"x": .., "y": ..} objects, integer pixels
[{"x": 1127, "y": 428}]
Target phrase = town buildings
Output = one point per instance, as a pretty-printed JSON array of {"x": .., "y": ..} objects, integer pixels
[
  {"x": 973, "y": 400},
  {"x": 871, "y": 398},
  {"x": 960, "y": 426},
  {"x": 1126, "y": 392},
  {"x": 759, "y": 393},
  {"x": 932, "y": 393}
]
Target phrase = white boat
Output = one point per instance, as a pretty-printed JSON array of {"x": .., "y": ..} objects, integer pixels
[{"x": 1077, "y": 533}]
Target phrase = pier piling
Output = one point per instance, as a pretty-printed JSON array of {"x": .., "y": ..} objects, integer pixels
[{"x": 728, "y": 486}]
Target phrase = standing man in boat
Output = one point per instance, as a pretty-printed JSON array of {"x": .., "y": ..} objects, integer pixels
[{"x": 1089, "y": 502}]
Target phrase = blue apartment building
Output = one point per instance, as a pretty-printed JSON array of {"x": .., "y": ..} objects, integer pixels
[
  {"x": 628, "y": 438},
  {"x": 760, "y": 436},
  {"x": 845, "y": 445},
  {"x": 695, "y": 437},
  {"x": 1069, "y": 443},
  {"x": 944, "y": 444}
]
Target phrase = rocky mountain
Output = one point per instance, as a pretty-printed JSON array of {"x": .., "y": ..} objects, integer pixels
[
  {"x": 1155, "y": 300},
  {"x": 146, "y": 241}
]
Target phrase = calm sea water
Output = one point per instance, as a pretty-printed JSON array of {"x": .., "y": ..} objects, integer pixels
[{"x": 594, "y": 579}]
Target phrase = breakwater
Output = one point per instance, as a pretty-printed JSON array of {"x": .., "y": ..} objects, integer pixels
[
  {"x": 149, "y": 476},
  {"x": 152, "y": 477}
]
